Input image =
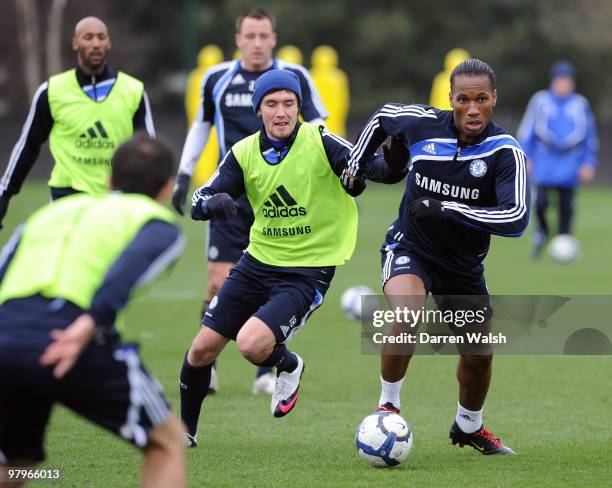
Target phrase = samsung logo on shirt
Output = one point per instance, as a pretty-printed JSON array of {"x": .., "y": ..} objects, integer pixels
[
  {"x": 238, "y": 100},
  {"x": 446, "y": 189}
]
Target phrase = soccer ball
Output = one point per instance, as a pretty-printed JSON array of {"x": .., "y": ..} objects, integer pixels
[
  {"x": 383, "y": 439},
  {"x": 564, "y": 249},
  {"x": 351, "y": 301}
]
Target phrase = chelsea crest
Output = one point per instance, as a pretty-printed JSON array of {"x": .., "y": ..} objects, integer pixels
[{"x": 478, "y": 168}]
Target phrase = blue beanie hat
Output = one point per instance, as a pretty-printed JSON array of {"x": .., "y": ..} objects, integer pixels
[
  {"x": 276, "y": 79},
  {"x": 563, "y": 68}
]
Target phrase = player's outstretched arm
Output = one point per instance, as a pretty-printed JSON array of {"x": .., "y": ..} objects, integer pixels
[
  {"x": 396, "y": 155},
  {"x": 154, "y": 249},
  {"x": 388, "y": 169},
  {"x": 393, "y": 119},
  {"x": 392, "y": 166}
]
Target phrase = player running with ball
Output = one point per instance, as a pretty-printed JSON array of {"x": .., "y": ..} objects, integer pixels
[
  {"x": 467, "y": 180},
  {"x": 305, "y": 225}
]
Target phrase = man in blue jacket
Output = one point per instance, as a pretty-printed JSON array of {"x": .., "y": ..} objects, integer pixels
[{"x": 559, "y": 136}]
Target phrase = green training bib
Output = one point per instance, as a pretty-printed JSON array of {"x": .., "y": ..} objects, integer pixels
[
  {"x": 303, "y": 217},
  {"x": 68, "y": 247},
  {"x": 86, "y": 133}
]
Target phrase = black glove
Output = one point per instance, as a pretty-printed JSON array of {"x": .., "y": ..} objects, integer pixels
[
  {"x": 353, "y": 185},
  {"x": 4, "y": 201},
  {"x": 219, "y": 206},
  {"x": 179, "y": 194},
  {"x": 396, "y": 155},
  {"x": 426, "y": 208}
]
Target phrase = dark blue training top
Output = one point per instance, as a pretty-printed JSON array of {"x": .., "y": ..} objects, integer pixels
[
  {"x": 227, "y": 91},
  {"x": 483, "y": 186}
]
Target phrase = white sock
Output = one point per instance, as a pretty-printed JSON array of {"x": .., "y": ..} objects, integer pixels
[
  {"x": 390, "y": 392},
  {"x": 467, "y": 420}
]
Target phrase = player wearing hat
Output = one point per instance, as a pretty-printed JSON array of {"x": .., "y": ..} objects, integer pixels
[{"x": 305, "y": 225}]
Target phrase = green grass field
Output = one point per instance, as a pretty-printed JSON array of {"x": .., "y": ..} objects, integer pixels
[{"x": 554, "y": 410}]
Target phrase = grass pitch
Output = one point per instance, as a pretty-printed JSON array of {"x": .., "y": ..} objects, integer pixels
[{"x": 554, "y": 411}]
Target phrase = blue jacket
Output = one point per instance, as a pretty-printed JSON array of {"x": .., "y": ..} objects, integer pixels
[
  {"x": 558, "y": 135},
  {"x": 483, "y": 187}
]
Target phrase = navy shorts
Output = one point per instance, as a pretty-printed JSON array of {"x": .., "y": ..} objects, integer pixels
[
  {"x": 281, "y": 297},
  {"x": 108, "y": 385},
  {"x": 448, "y": 288},
  {"x": 227, "y": 239}
]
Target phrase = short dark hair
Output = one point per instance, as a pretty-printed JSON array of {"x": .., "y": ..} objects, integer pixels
[
  {"x": 142, "y": 165},
  {"x": 256, "y": 13},
  {"x": 473, "y": 67}
]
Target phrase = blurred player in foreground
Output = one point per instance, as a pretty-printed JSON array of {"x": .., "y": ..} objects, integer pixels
[
  {"x": 86, "y": 112},
  {"x": 226, "y": 103},
  {"x": 65, "y": 276},
  {"x": 467, "y": 180},
  {"x": 559, "y": 135},
  {"x": 305, "y": 225}
]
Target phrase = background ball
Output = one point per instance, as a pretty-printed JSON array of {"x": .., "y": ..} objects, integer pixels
[
  {"x": 350, "y": 301},
  {"x": 564, "y": 249}
]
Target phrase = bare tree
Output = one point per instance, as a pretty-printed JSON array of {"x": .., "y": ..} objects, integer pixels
[
  {"x": 27, "y": 31},
  {"x": 54, "y": 37}
]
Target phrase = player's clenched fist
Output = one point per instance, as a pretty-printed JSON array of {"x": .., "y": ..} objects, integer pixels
[
  {"x": 426, "y": 208},
  {"x": 353, "y": 185},
  {"x": 219, "y": 206}
]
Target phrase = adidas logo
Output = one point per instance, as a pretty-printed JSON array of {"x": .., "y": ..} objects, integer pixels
[
  {"x": 430, "y": 148},
  {"x": 238, "y": 80},
  {"x": 282, "y": 204},
  {"x": 285, "y": 329},
  {"x": 92, "y": 131},
  {"x": 94, "y": 137}
]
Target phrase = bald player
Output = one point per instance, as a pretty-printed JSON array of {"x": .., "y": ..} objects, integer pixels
[{"x": 86, "y": 113}]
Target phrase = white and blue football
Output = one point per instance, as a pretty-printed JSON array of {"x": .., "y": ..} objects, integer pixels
[
  {"x": 383, "y": 439},
  {"x": 351, "y": 301}
]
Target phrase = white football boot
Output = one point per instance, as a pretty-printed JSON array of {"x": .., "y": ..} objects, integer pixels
[{"x": 286, "y": 390}]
